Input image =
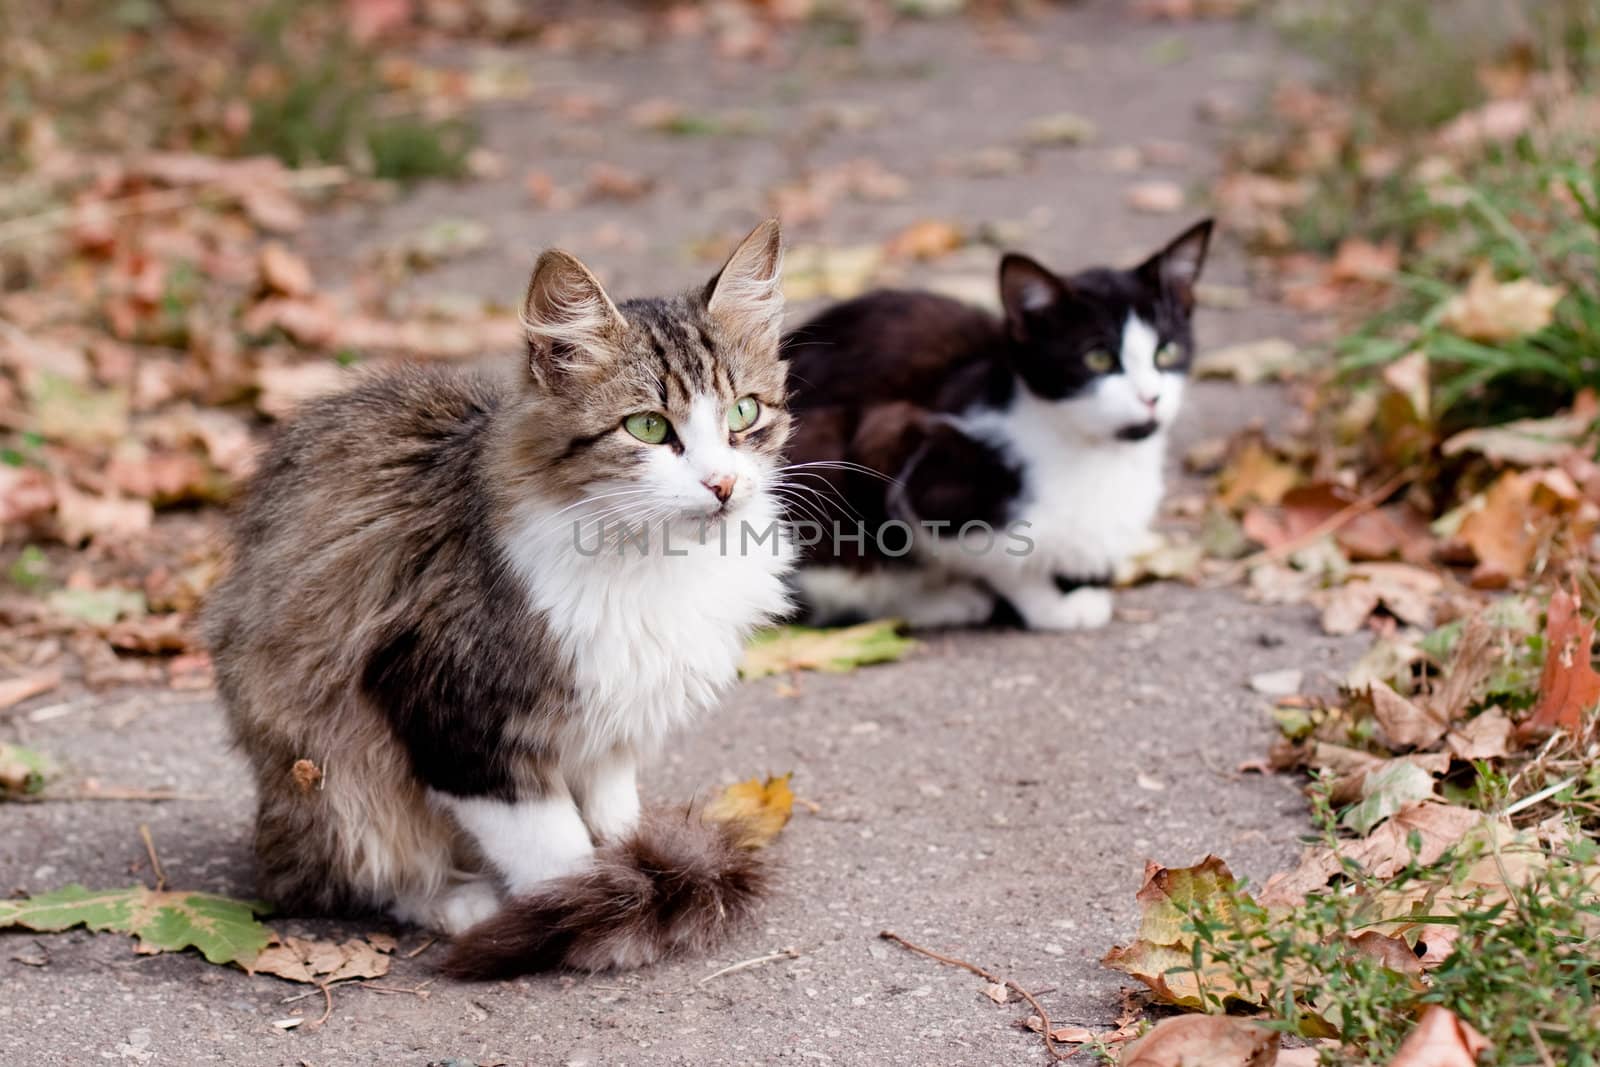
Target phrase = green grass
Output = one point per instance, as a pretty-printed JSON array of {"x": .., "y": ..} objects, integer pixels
[{"x": 1521, "y": 965}]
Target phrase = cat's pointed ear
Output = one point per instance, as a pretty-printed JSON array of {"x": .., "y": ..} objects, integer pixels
[
  {"x": 1176, "y": 268},
  {"x": 569, "y": 319},
  {"x": 746, "y": 295},
  {"x": 1027, "y": 287}
]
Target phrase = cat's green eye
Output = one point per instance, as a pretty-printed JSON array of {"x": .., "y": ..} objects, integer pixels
[
  {"x": 1099, "y": 361},
  {"x": 1168, "y": 356},
  {"x": 744, "y": 413},
  {"x": 651, "y": 427}
]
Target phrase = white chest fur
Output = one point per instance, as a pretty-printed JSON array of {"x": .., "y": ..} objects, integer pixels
[
  {"x": 1087, "y": 503},
  {"x": 650, "y": 640}
]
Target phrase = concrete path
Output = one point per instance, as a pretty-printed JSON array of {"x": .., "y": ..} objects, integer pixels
[{"x": 994, "y": 796}]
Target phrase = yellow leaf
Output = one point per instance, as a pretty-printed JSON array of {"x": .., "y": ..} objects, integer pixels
[
  {"x": 763, "y": 807},
  {"x": 1492, "y": 311}
]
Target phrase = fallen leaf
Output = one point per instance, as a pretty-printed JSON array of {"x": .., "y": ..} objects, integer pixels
[
  {"x": 83, "y": 517},
  {"x": 26, "y": 687},
  {"x": 1359, "y": 260},
  {"x": 1485, "y": 736},
  {"x": 996, "y": 992},
  {"x": 322, "y": 962},
  {"x": 1388, "y": 951},
  {"x": 98, "y": 607},
  {"x": 1249, "y": 363},
  {"x": 1381, "y": 854},
  {"x": 1255, "y": 475},
  {"x": 1497, "y": 530},
  {"x": 1495, "y": 122},
  {"x": 1440, "y": 1040},
  {"x": 1157, "y": 197},
  {"x": 224, "y": 930},
  {"x": 1569, "y": 687},
  {"x": 802, "y": 648},
  {"x": 838, "y": 272},
  {"x": 1061, "y": 128},
  {"x": 1203, "y": 1041},
  {"x": 1405, "y": 724},
  {"x": 607, "y": 181},
  {"x": 1491, "y": 311},
  {"x": 23, "y": 772},
  {"x": 285, "y": 386},
  {"x": 763, "y": 806},
  {"x": 283, "y": 271},
  {"x": 1396, "y": 786},
  {"x": 61, "y": 409},
  {"x": 1162, "y": 956},
  {"x": 1530, "y": 442},
  {"x": 925, "y": 240}
]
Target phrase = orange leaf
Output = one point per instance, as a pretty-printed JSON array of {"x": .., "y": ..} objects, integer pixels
[
  {"x": 1440, "y": 1040},
  {"x": 1569, "y": 686}
]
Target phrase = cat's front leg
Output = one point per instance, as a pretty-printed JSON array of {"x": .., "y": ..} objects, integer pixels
[
  {"x": 1043, "y": 606},
  {"x": 608, "y": 794},
  {"x": 527, "y": 841}
]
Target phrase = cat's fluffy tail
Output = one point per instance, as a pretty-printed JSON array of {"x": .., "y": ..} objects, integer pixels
[{"x": 678, "y": 883}]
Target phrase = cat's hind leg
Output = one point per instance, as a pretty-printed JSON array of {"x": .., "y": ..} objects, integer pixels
[
  {"x": 921, "y": 599},
  {"x": 607, "y": 792}
]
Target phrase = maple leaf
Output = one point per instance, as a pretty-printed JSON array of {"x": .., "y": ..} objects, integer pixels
[
  {"x": 223, "y": 929},
  {"x": 1569, "y": 687}
]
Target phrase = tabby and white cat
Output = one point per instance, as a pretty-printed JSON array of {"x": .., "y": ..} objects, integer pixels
[
  {"x": 976, "y": 462},
  {"x": 417, "y": 606}
]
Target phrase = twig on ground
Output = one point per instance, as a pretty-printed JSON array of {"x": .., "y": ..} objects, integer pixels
[
  {"x": 420, "y": 949},
  {"x": 420, "y": 991},
  {"x": 155, "y": 860},
  {"x": 327, "y": 1006},
  {"x": 790, "y": 953},
  {"x": 1337, "y": 521},
  {"x": 1044, "y": 1019}
]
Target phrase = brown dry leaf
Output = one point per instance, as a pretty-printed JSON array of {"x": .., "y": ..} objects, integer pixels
[
  {"x": 1256, "y": 475},
  {"x": 1492, "y": 311},
  {"x": 1470, "y": 666},
  {"x": 25, "y": 493},
  {"x": 82, "y": 516},
  {"x": 152, "y": 635},
  {"x": 285, "y": 386},
  {"x": 1203, "y": 1041},
  {"x": 283, "y": 271},
  {"x": 1382, "y": 853},
  {"x": 1533, "y": 442},
  {"x": 997, "y": 992},
  {"x": 763, "y": 806},
  {"x": 1569, "y": 687},
  {"x": 1405, "y": 724},
  {"x": 1497, "y": 530},
  {"x": 322, "y": 962},
  {"x": 1486, "y": 736},
  {"x": 1155, "y": 197},
  {"x": 1161, "y": 957},
  {"x": 607, "y": 181},
  {"x": 1359, "y": 260},
  {"x": 15, "y": 690},
  {"x": 307, "y": 775},
  {"x": 1496, "y": 122},
  {"x": 1250, "y": 362},
  {"x": 926, "y": 240},
  {"x": 1440, "y": 1040},
  {"x": 1390, "y": 951}
]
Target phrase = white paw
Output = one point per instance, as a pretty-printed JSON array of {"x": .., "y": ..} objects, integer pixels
[
  {"x": 1088, "y": 608},
  {"x": 466, "y": 906},
  {"x": 952, "y": 605},
  {"x": 452, "y": 910}
]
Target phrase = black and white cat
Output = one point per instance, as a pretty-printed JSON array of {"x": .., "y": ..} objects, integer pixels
[{"x": 975, "y": 462}]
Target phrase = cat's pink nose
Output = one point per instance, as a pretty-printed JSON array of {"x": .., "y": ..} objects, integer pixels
[{"x": 721, "y": 486}]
